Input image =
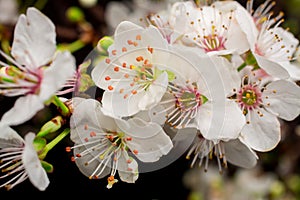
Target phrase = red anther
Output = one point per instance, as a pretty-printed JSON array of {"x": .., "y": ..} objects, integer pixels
[
  {"x": 126, "y": 75},
  {"x": 92, "y": 134},
  {"x": 124, "y": 49},
  {"x": 124, "y": 64},
  {"x": 139, "y": 58},
  {"x": 107, "y": 78},
  {"x": 107, "y": 60},
  {"x": 78, "y": 155},
  {"x": 133, "y": 91},
  {"x": 130, "y": 42},
  {"x": 114, "y": 52},
  {"x": 150, "y": 49},
  {"x": 135, "y": 152},
  {"x": 110, "y": 87},
  {"x": 116, "y": 69},
  {"x": 68, "y": 149},
  {"x": 138, "y": 37}
]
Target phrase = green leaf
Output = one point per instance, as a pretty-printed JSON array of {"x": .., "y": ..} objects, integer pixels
[{"x": 47, "y": 166}]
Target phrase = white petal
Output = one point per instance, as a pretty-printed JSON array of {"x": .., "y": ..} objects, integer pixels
[
  {"x": 115, "y": 105},
  {"x": 88, "y": 116},
  {"x": 293, "y": 68},
  {"x": 247, "y": 25},
  {"x": 36, "y": 173},
  {"x": 271, "y": 67},
  {"x": 149, "y": 139},
  {"x": 239, "y": 154},
  {"x": 283, "y": 99},
  {"x": 128, "y": 171},
  {"x": 34, "y": 39},
  {"x": 89, "y": 169},
  {"x": 56, "y": 75},
  {"x": 9, "y": 137},
  {"x": 153, "y": 115},
  {"x": 154, "y": 93},
  {"x": 263, "y": 133},
  {"x": 220, "y": 120},
  {"x": 24, "y": 109},
  {"x": 182, "y": 140}
]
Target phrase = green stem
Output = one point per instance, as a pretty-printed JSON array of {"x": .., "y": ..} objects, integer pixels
[
  {"x": 54, "y": 142},
  {"x": 72, "y": 47},
  {"x": 61, "y": 106},
  {"x": 242, "y": 66}
]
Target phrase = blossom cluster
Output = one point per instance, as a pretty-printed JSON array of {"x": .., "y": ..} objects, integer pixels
[{"x": 202, "y": 79}]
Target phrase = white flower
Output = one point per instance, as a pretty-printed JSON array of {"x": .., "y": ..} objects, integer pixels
[
  {"x": 135, "y": 11},
  {"x": 271, "y": 45},
  {"x": 38, "y": 71},
  {"x": 214, "y": 30},
  {"x": 264, "y": 100},
  {"x": 171, "y": 22},
  {"x": 19, "y": 160},
  {"x": 134, "y": 75},
  {"x": 233, "y": 151},
  {"x": 104, "y": 145},
  {"x": 197, "y": 97}
]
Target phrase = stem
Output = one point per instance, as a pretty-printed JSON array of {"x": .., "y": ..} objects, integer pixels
[
  {"x": 54, "y": 142},
  {"x": 72, "y": 47},
  {"x": 242, "y": 66},
  {"x": 62, "y": 107}
]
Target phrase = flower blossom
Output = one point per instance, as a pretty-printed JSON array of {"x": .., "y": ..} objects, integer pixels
[
  {"x": 135, "y": 74},
  {"x": 19, "y": 160},
  {"x": 232, "y": 151},
  {"x": 263, "y": 100},
  {"x": 37, "y": 71},
  {"x": 272, "y": 46},
  {"x": 104, "y": 145}
]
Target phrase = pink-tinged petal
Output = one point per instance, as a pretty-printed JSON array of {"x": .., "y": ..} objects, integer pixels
[
  {"x": 36, "y": 173},
  {"x": 239, "y": 154},
  {"x": 24, "y": 109},
  {"x": 149, "y": 140},
  {"x": 263, "y": 132},
  {"x": 282, "y": 98},
  {"x": 220, "y": 120},
  {"x": 127, "y": 168},
  {"x": 56, "y": 75},
  {"x": 87, "y": 116},
  {"x": 272, "y": 68},
  {"x": 9, "y": 137},
  {"x": 34, "y": 39}
]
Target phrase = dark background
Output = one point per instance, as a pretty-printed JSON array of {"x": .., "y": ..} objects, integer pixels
[{"x": 162, "y": 184}]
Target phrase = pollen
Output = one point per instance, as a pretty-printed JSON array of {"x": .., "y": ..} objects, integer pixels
[
  {"x": 110, "y": 87},
  {"x": 116, "y": 69},
  {"x": 139, "y": 58},
  {"x": 68, "y": 149}
]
